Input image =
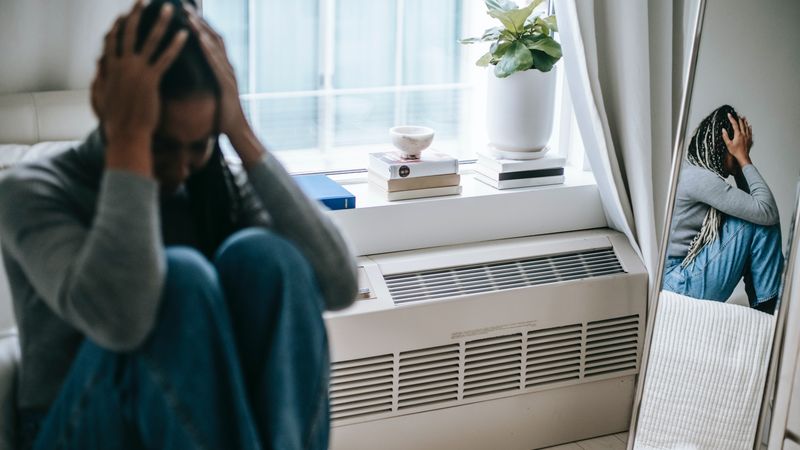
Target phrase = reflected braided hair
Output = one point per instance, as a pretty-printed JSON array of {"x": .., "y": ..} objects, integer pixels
[{"x": 707, "y": 149}]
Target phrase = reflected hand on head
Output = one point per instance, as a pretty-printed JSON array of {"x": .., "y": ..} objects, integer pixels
[
  {"x": 739, "y": 145},
  {"x": 125, "y": 91}
]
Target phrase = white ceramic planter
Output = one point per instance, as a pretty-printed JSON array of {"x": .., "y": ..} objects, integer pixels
[{"x": 519, "y": 110}]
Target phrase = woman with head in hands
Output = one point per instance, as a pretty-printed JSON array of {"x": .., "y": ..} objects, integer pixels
[{"x": 164, "y": 298}]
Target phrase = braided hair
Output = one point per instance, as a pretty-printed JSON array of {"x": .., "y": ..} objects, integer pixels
[{"x": 707, "y": 149}]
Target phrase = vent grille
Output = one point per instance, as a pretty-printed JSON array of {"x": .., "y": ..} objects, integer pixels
[
  {"x": 492, "y": 365},
  {"x": 362, "y": 387},
  {"x": 499, "y": 276},
  {"x": 428, "y": 376},
  {"x": 442, "y": 376},
  {"x": 611, "y": 345},
  {"x": 554, "y": 355}
]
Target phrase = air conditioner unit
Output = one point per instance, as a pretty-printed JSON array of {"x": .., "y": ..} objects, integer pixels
[{"x": 518, "y": 343}]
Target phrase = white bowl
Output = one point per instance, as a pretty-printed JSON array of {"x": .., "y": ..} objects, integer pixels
[{"x": 411, "y": 140}]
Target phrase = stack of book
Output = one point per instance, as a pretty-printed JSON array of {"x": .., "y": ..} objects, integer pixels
[
  {"x": 510, "y": 173},
  {"x": 398, "y": 178}
]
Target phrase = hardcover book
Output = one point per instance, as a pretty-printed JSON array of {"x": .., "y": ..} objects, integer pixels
[
  {"x": 519, "y": 175},
  {"x": 523, "y": 182},
  {"x": 327, "y": 191},
  {"x": 392, "y": 165},
  {"x": 406, "y": 184},
  {"x": 511, "y": 165},
  {"x": 419, "y": 193}
]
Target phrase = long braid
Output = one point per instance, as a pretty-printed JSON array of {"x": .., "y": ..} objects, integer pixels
[{"x": 707, "y": 150}]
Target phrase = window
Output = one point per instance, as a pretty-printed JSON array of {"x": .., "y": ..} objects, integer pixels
[{"x": 322, "y": 81}]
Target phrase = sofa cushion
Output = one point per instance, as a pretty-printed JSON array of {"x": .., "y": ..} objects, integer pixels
[
  {"x": 33, "y": 117},
  {"x": 9, "y": 362},
  {"x": 46, "y": 150},
  {"x": 11, "y": 154}
]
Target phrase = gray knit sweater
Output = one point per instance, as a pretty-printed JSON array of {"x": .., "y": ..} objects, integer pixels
[
  {"x": 85, "y": 257},
  {"x": 699, "y": 189}
]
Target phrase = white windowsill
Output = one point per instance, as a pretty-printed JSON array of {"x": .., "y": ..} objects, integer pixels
[{"x": 480, "y": 213}]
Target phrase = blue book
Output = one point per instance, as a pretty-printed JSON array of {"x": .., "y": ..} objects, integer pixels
[{"x": 329, "y": 192}]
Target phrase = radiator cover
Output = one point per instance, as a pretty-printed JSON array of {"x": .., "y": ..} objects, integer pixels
[{"x": 515, "y": 365}]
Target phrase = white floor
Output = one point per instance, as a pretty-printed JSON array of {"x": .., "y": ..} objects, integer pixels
[{"x": 610, "y": 442}]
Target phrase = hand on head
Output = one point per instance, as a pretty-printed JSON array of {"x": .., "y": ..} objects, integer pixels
[
  {"x": 125, "y": 91},
  {"x": 231, "y": 115},
  {"x": 742, "y": 140},
  {"x": 155, "y": 56}
]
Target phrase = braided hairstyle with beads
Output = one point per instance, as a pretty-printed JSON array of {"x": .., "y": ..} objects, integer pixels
[{"x": 707, "y": 149}]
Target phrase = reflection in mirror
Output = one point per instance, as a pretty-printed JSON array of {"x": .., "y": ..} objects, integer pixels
[
  {"x": 721, "y": 233},
  {"x": 718, "y": 289}
]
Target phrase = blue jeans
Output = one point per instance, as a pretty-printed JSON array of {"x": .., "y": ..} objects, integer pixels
[
  {"x": 238, "y": 359},
  {"x": 742, "y": 250}
]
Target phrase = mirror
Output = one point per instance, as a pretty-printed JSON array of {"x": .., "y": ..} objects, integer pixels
[{"x": 716, "y": 297}]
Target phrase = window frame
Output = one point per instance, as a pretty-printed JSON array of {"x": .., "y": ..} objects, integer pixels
[{"x": 565, "y": 138}]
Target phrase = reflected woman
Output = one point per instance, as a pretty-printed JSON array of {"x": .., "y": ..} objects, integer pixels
[{"x": 721, "y": 233}]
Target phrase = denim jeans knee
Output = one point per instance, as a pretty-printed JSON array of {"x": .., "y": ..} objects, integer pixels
[
  {"x": 261, "y": 253},
  {"x": 742, "y": 249},
  {"x": 261, "y": 244},
  {"x": 192, "y": 295}
]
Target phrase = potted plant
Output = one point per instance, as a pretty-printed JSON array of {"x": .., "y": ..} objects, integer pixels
[{"x": 521, "y": 89}]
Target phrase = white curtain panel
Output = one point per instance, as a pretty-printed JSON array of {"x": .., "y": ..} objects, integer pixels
[{"x": 606, "y": 47}]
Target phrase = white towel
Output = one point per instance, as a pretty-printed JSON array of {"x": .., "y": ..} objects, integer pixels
[{"x": 705, "y": 376}]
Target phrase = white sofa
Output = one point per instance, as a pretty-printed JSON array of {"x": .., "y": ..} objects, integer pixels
[{"x": 32, "y": 125}]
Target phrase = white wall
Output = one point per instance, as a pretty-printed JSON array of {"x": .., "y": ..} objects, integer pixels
[
  {"x": 749, "y": 58},
  {"x": 52, "y": 44}
]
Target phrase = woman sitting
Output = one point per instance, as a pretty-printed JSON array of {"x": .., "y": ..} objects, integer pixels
[
  {"x": 721, "y": 233},
  {"x": 165, "y": 300}
]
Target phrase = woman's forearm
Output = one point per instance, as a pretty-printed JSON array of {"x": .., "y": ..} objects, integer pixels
[
  {"x": 300, "y": 220},
  {"x": 247, "y": 146},
  {"x": 131, "y": 155}
]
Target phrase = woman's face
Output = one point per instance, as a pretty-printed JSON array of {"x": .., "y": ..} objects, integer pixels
[{"x": 184, "y": 140}]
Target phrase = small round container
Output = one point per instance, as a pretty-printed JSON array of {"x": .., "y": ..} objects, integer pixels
[{"x": 411, "y": 140}]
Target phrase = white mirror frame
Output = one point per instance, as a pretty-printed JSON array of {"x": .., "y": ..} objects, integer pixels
[
  {"x": 784, "y": 363},
  {"x": 677, "y": 157},
  {"x": 787, "y": 284}
]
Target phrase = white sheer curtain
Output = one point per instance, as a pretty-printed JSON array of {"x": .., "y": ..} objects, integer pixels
[{"x": 623, "y": 107}]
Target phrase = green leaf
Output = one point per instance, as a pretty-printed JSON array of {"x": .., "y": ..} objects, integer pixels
[
  {"x": 500, "y": 5},
  {"x": 545, "y": 44},
  {"x": 484, "y": 60},
  {"x": 499, "y": 48},
  {"x": 542, "y": 61},
  {"x": 542, "y": 26},
  {"x": 507, "y": 35},
  {"x": 551, "y": 22},
  {"x": 491, "y": 34},
  {"x": 516, "y": 58},
  {"x": 514, "y": 20}
]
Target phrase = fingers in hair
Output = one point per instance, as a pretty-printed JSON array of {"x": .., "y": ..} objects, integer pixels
[
  {"x": 165, "y": 60},
  {"x": 157, "y": 34},
  {"x": 110, "y": 49},
  {"x": 131, "y": 28},
  {"x": 734, "y": 124}
]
